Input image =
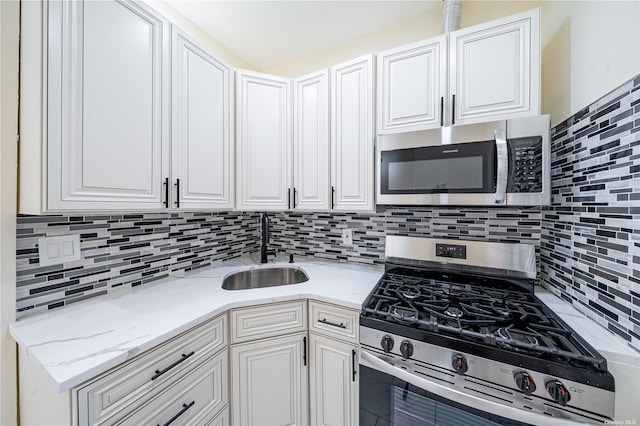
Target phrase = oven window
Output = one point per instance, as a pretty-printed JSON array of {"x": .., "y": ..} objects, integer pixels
[
  {"x": 459, "y": 168},
  {"x": 388, "y": 401},
  {"x": 412, "y": 409}
]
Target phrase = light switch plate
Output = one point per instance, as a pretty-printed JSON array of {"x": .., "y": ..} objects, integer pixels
[{"x": 57, "y": 250}]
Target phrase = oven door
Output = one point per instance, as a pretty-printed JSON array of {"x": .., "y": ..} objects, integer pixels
[
  {"x": 459, "y": 165},
  {"x": 393, "y": 396}
]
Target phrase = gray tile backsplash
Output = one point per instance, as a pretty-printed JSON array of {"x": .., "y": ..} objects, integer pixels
[
  {"x": 124, "y": 250},
  {"x": 590, "y": 247},
  {"x": 588, "y": 240}
]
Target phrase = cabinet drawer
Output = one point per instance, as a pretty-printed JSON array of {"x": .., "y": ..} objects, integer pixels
[
  {"x": 334, "y": 321},
  {"x": 117, "y": 392},
  {"x": 194, "y": 400},
  {"x": 259, "y": 322}
]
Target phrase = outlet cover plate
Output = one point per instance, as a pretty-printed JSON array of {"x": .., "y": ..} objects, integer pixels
[{"x": 347, "y": 236}]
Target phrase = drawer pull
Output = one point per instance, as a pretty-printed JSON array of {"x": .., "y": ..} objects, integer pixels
[
  {"x": 333, "y": 324},
  {"x": 160, "y": 373},
  {"x": 185, "y": 407}
]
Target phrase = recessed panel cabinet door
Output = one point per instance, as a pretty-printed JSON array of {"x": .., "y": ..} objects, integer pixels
[
  {"x": 495, "y": 69},
  {"x": 202, "y": 162},
  {"x": 311, "y": 142},
  {"x": 263, "y": 145},
  {"x": 269, "y": 382},
  {"x": 333, "y": 382},
  {"x": 411, "y": 86},
  {"x": 107, "y": 109},
  {"x": 352, "y": 130}
]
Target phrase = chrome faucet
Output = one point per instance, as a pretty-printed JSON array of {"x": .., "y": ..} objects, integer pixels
[{"x": 264, "y": 252}]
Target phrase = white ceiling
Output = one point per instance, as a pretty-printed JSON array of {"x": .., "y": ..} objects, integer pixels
[{"x": 269, "y": 33}]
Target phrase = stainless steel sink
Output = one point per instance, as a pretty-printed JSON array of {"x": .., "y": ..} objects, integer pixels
[{"x": 264, "y": 277}]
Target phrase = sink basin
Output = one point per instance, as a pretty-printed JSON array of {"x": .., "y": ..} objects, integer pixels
[{"x": 264, "y": 277}]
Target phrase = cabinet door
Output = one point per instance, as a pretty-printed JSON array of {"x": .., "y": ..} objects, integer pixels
[
  {"x": 269, "y": 382},
  {"x": 352, "y": 135},
  {"x": 263, "y": 141},
  {"x": 333, "y": 382},
  {"x": 202, "y": 131},
  {"x": 495, "y": 69},
  {"x": 411, "y": 86},
  {"x": 108, "y": 111},
  {"x": 311, "y": 142}
]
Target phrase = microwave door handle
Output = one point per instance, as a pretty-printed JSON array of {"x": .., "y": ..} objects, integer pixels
[{"x": 502, "y": 166}]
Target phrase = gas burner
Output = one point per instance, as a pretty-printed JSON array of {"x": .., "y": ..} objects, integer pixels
[
  {"x": 409, "y": 292},
  {"x": 453, "y": 312},
  {"x": 403, "y": 313},
  {"x": 516, "y": 336}
]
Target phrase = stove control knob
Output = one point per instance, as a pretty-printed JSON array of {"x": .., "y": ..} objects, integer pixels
[
  {"x": 406, "y": 349},
  {"x": 459, "y": 364},
  {"x": 386, "y": 343},
  {"x": 558, "y": 392},
  {"x": 525, "y": 383}
]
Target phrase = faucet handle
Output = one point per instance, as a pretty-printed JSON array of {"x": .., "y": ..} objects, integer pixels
[{"x": 291, "y": 258}]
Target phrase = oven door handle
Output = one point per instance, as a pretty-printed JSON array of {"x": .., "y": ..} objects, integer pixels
[
  {"x": 509, "y": 412},
  {"x": 502, "y": 168}
]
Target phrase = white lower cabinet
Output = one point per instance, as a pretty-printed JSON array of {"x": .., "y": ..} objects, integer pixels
[
  {"x": 333, "y": 382},
  {"x": 269, "y": 381}
]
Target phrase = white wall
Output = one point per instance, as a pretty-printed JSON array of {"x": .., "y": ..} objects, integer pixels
[{"x": 9, "y": 19}]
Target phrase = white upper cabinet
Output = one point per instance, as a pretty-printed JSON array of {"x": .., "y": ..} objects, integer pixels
[
  {"x": 263, "y": 143},
  {"x": 494, "y": 69},
  {"x": 108, "y": 109},
  {"x": 202, "y": 131},
  {"x": 481, "y": 73},
  {"x": 411, "y": 86},
  {"x": 311, "y": 187},
  {"x": 352, "y": 133}
]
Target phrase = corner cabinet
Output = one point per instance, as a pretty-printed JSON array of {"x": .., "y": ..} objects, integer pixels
[
  {"x": 352, "y": 135},
  {"x": 120, "y": 111},
  {"x": 481, "y": 73},
  {"x": 269, "y": 375},
  {"x": 107, "y": 106},
  {"x": 263, "y": 144},
  {"x": 202, "y": 126}
]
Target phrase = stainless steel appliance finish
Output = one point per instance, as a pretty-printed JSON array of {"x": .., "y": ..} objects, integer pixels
[
  {"x": 475, "y": 337},
  {"x": 497, "y": 163}
]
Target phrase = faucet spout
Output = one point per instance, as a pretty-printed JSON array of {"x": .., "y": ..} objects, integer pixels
[{"x": 264, "y": 250}]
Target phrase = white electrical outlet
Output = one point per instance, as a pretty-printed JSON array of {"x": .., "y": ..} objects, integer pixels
[
  {"x": 347, "y": 236},
  {"x": 57, "y": 250}
]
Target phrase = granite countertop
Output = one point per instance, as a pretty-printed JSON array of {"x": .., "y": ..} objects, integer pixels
[{"x": 78, "y": 342}]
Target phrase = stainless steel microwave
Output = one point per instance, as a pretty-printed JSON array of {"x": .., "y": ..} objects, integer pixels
[{"x": 498, "y": 163}]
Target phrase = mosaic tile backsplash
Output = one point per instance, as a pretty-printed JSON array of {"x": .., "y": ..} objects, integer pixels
[
  {"x": 124, "y": 250},
  {"x": 590, "y": 247}
]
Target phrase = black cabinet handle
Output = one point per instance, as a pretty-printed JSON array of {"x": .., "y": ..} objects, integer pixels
[
  {"x": 304, "y": 350},
  {"x": 353, "y": 364},
  {"x": 333, "y": 196},
  {"x": 334, "y": 324},
  {"x": 289, "y": 198},
  {"x": 166, "y": 192},
  {"x": 453, "y": 109},
  {"x": 295, "y": 191},
  {"x": 441, "y": 111},
  {"x": 159, "y": 373},
  {"x": 177, "y": 202},
  {"x": 185, "y": 407}
]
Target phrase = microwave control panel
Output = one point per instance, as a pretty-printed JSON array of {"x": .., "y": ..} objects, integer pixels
[{"x": 525, "y": 165}]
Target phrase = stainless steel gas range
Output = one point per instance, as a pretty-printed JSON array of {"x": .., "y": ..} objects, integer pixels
[{"x": 453, "y": 334}]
